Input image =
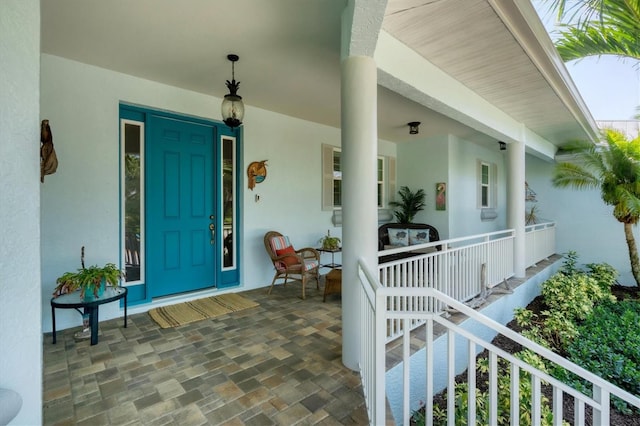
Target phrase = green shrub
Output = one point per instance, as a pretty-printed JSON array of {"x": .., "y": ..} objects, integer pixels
[
  {"x": 570, "y": 296},
  {"x": 604, "y": 273},
  {"x": 609, "y": 345}
]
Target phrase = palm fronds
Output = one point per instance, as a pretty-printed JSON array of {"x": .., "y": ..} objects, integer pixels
[
  {"x": 598, "y": 27},
  {"x": 410, "y": 204},
  {"x": 614, "y": 168}
]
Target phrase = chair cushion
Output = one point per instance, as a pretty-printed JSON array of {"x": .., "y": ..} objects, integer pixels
[
  {"x": 310, "y": 264},
  {"x": 289, "y": 260},
  {"x": 418, "y": 236},
  {"x": 278, "y": 243},
  {"x": 399, "y": 237}
]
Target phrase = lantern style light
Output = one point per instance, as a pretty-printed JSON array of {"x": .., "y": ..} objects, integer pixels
[
  {"x": 232, "y": 106},
  {"x": 413, "y": 127}
]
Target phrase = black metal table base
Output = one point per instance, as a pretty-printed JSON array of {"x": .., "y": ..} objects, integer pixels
[{"x": 91, "y": 308}]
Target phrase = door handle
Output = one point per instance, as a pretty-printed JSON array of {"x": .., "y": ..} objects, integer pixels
[{"x": 212, "y": 228}]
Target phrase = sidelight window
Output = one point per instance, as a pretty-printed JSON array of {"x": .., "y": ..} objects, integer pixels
[{"x": 132, "y": 213}]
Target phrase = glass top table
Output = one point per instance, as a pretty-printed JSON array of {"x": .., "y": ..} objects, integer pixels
[
  {"x": 333, "y": 252},
  {"x": 73, "y": 301}
]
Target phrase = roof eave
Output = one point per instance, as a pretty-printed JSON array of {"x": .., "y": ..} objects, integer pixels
[{"x": 523, "y": 22}]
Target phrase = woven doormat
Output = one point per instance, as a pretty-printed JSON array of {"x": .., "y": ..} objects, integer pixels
[{"x": 198, "y": 310}]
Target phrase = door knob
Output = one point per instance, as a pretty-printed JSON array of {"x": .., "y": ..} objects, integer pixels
[{"x": 212, "y": 228}]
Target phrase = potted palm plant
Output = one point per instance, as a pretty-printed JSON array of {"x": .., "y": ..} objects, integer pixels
[
  {"x": 91, "y": 281},
  {"x": 410, "y": 204}
]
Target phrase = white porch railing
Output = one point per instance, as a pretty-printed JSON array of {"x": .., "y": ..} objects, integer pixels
[
  {"x": 462, "y": 268},
  {"x": 475, "y": 264},
  {"x": 540, "y": 242},
  {"x": 460, "y": 343}
]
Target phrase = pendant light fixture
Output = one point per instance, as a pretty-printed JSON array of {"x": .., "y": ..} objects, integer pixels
[{"x": 232, "y": 106}]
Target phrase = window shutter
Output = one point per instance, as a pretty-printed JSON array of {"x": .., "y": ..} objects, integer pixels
[
  {"x": 479, "y": 184},
  {"x": 327, "y": 177},
  {"x": 391, "y": 178},
  {"x": 494, "y": 186}
]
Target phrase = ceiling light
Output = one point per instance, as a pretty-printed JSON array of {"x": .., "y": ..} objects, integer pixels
[
  {"x": 232, "y": 106},
  {"x": 413, "y": 127}
]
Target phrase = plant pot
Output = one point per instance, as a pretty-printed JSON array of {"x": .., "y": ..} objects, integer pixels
[{"x": 89, "y": 295}]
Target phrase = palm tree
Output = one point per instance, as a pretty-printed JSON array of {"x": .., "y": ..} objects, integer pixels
[
  {"x": 614, "y": 168},
  {"x": 598, "y": 27}
]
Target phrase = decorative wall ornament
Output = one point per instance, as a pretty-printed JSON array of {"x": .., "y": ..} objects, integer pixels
[
  {"x": 48, "y": 157},
  {"x": 529, "y": 194},
  {"x": 256, "y": 173},
  {"x": 441, "y": 196}
]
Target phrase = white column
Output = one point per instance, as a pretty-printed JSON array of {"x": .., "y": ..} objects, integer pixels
[
  {"x": 359, "y": 199},
  {"x": 516, "y": 203}
]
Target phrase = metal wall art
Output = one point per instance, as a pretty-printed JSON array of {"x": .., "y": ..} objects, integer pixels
[{"x": 256, "y": 173}]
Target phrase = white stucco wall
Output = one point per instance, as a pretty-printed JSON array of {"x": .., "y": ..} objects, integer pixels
[
  {"x": 81, "y": 101},
  {"x": 449, "y": 159},
  {"x": 463, "y": 171},
  {"x": 584, "y": 223},
  {"x": 421, "y": 164},
  {"x": 465, "y": 214},
  {"x": 20, "y": 308}
]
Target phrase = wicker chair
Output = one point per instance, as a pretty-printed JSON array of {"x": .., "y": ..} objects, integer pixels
[{"x": 291, "y": 263}]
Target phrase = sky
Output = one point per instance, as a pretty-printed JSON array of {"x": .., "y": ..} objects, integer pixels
[{"x": 610, "y": 86}]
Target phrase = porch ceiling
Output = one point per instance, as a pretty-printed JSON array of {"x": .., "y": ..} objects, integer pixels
[
  {"x": 500, "y": 50},
  {"x": 290, "y": 55}
]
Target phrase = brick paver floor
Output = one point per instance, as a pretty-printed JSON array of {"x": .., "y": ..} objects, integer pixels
[{"x": 276, "y": 364}]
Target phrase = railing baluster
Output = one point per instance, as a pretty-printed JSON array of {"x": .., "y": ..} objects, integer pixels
[
  {"x": 514, "y": 410},
  {"x": 471, "y": 384},
  {"x": 451, "y": 379},
  {"x": 536, "y": 400},
  {"x": 493, "y": 388},
  {"x": 557, "y": 406},
  {"x": 579, "y": 412},
  {"x": 601, "y": 416},
  {"x": 406, "y": 379},
  {"x": 430, "y": 372}
]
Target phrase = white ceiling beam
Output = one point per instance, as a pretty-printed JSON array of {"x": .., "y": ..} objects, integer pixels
[{"x": 361, "y": 24}]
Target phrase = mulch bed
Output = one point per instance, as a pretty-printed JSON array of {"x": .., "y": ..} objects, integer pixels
[{"x": 536, "y": 306}]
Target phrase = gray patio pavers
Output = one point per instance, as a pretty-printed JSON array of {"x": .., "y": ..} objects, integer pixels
[{"x": 276, "y": 364}]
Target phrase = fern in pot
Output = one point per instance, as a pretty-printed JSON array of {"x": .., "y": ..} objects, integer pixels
[{"x": 91, "y": 281}]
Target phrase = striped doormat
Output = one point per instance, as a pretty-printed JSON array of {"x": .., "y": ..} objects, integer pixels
[{"x": 200, "y": 309}]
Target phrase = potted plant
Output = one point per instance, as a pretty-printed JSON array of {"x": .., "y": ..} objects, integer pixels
[
  {"x": 330, "y": 243},
  {"x": 410, "y": 204},
  {"x": 91, "y": 281}
]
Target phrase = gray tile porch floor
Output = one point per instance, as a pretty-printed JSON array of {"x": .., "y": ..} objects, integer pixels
[{"x": 276, "y": 364}]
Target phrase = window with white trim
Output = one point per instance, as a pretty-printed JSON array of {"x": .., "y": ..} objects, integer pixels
[
  {"x": 487, "y": 177},
  {"x": 332, "y": 178}
]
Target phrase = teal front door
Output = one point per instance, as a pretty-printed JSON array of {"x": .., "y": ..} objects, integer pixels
[{"x": 181, "y": 206}]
